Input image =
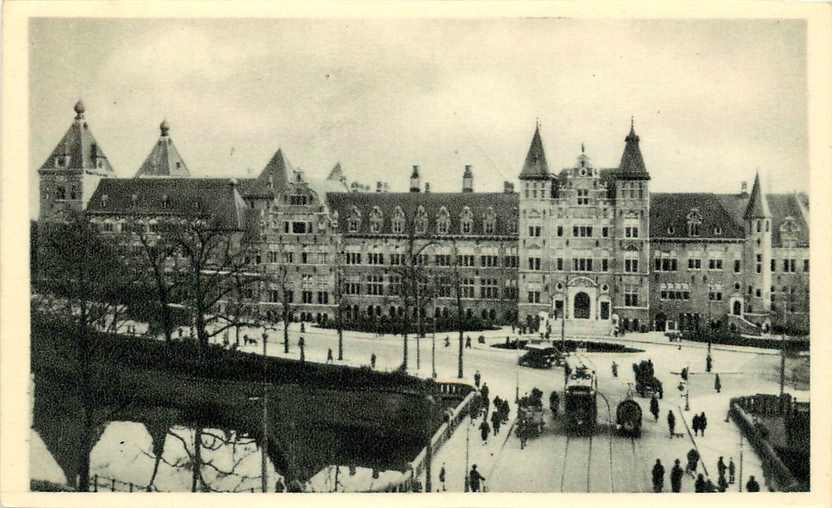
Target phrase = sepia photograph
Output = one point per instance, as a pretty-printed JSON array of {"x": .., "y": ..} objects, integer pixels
[{"x": 418, "y": 255}]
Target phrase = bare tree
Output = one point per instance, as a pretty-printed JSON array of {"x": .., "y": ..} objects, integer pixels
[
  {"x": 456, "y": 279},
  {"x": 340, "y": 301}
]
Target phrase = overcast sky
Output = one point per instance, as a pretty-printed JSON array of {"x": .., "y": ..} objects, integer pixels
[{"x": 712, "y": 100}]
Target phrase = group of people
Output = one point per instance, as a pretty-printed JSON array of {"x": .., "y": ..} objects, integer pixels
[
  {"x": 700, "y": 422},
  {"x": 701, "y": 484}
]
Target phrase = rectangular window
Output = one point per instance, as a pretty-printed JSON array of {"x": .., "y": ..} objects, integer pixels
[
  {"x": 715, "y": 296},
  {"x": 534, "y": 231},
  {"x": 605, "y": 265},
  {"x": 806, "y": 265},
  {"x": 560, "y": 230},
  {"x": 375, "y": 285},
  {"x": 489, "y": 289},
  {"x": 631, "y": 265},
  {"x": 353, "y": 258},
  {"x": 583, "y": 197},
  {"x": 510, "y": 261},
  {"x": 560, "y": 263},
  {"x": 304, "y": 258},
  {"x": 714, "y": 264},
  {"x": 694, "y": 264},
  {"x": 534, "y": 263},
  {"x": 630, "y": 296},
  {"x": 442, "y": 260},
  {"x": 489, "y": 261},
  {"x": 534, "y": 296},
  {"x": 631, "y": 232},
  {"x": 737, "y": 266},
  {"x": 582, "y": 231},
  {"x": 605, "y": 232},
  {"x": 582, "y": 264},
  {"x": 773, "y": 266},
  {"x": 299, "y": 228},
  {"x": 375, "y": 258},
  {"x": 307, "y": 296},
  {"x": 792, "y": 265},
  {"x": 467, "y": 287},
  {"x": 323, "y": 297}
]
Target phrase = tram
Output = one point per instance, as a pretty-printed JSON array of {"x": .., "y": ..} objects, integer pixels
[{"x": 580, "y": 397}]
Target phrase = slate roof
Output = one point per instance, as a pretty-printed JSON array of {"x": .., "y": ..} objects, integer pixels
[
  {"x": 670, "y": 210},
  {"x": 337, "y": 173},
  {"x": 505, "y": 207},
  {"x": 782, "y": 206},
  {"x": 276, "y": 172},
  {"x": 632, "y": 163},
  {"x": 211, "y": 197},
  {"x": 80, "y": 146},
  {"x": 164, "y": 158},
  {"x": 535, "y": 166}
]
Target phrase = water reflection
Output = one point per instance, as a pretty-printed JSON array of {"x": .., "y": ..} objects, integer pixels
[{"x": 171, "y": 449}]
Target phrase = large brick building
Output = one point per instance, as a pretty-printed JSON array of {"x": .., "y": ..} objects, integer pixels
[{"x": 591, "y": 244}]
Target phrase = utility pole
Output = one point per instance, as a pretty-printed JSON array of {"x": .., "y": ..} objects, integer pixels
[
  {"x": 741, "y": 441},
  {"x": 264, "y": 472},
  {"x": 467, "y": 442},
  {"x": 433, "y": 348},
  {"x": 517, "y": 381},
  {"x": 428, "y": 447},
  {"x": 782, "y": 366}
]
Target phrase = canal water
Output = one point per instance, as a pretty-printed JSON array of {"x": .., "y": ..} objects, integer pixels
[{"x": 166, "y": 449}]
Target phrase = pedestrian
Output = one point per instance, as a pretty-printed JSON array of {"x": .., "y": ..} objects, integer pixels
[
  {"x": 447, "y": 341},
  {"x": 495, "y": 421},
  {"x": 693, "y": 461},
  {"x": 658, "y": 476},
  {"x": 695, "y": 425},
  {"x": 654, "y": 407},
  {"x": 474, "y": 479},
  {"x": 614, "y": 369},
  {"x": 709, "y": 363},
  {"x": 700, "y": 484},
  {"x": 484, "y": 429},
  {"x": 717, "y": 384},
  {"x": 671, "y": 423},
  {"x": 477, "y": 377},
  {"x": 721, "y": 467},
  {"x": 467, "y": 342},
  {"x": 301, "y": 343},
  {"x": 373, "y": 361},
  {"x": 723, "y": 483},
  {"x": 752, "y": 485},
  {"x": 302, "y": 327},
  {"x": 442, "y": 477},
  {"x": 676, "y": 477},
  {"x": 731, "y": 471},
  {"x": 279, "y": 486},
  {"x": 512, "y": 327},
  {"x": 508, "y": 340},
  {"x": 703, "y": 422},
  {"x": 329, "y": 356},
  {"x": 523, "y": 434},
  {"x": 484, "y": 391}
]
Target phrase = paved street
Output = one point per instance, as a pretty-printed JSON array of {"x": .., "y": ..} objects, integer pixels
[{"x": 604, "y": 463}]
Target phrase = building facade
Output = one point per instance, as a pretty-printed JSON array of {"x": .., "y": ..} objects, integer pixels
[{"x": 587, "y": 248}]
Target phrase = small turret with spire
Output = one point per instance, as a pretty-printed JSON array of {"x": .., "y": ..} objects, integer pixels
[
  {"x": 632, "y": 163},
  {"x": 535, "y": 166},
  {"x": 163, "y": 159}
]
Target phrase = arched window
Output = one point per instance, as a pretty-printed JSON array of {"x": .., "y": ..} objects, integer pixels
[
  {"x": 421, "y": 220},
  {"x": 694, "y": 222},
  {"x": 489, "y": 221},
  {"x": 466, "y": 221},
  {"x": 398, "y": 220},
  {"x": 354, "y": 220},
  {"x": 443, "y": 221},
  {"x": 376, "y": 220},
  {"x": 334, "y": 220}
]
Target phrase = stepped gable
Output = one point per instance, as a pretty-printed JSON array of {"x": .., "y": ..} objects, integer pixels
[
  {"x": 78, "y": 149},
  {"x": 535, "y": 166},
  {"x": 669, "y": 212},
  {"x": 175, "y": 197},
  {"x": 504, "y": 205},
  {"x": 632, "y": 163},
  {"x": 164, "y": 159}
]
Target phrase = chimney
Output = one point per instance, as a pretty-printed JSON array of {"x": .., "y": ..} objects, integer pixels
[
  {"x": 508, "y": 187},
  {"x": 468, "y": 179},
  {"x": 744, "y": 188},
  {"x": 427, "y": 187},
  {"x": 414, "y": 179},
  {"x": 386, "y": 187},
  {"x": 379, "y": 186}
]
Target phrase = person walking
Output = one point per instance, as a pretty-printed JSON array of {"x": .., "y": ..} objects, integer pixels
[
  {"x": 373, "y": 361},
  {"x": 654, "y": 407},
  {"x": 301, "y": 344},
  {"x": 477, "y": 377},
  {"x": 721, "y": 467},
  {"x": 709, "y": 363},
  {"x": 474, "y": 479},
  {"x": 732, "y": 470},
  {"x": 658, "y": 476},
  {"x": 676, "y": 477},
  {"x": 467, "y": 342},
  {"x": 442, "y": 477},
  {"x": 695, "y": 425},
  {"x": 671, "y": 422},
  {"x": 693, "y": 461},
  {"x": 700, "y": 485},
  {"x": 495, "y": 420},
  {"x": 703, "y": 422},
  {"x": 484, "y": 429},
  {"x": 329, "y": 356},
  {"x": 752, "y": 485},
  {"x": 484, "y": 390},
  {"x": 717, "y": 384}
]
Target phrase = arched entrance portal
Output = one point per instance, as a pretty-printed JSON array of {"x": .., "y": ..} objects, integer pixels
[
  {"x": 737, "y": 308},
  {"x": 661, "y": 321},
  {"x": 581, "y": 308}
]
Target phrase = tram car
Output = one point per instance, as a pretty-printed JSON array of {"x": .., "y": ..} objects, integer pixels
[
  {"x": 628, "y": 417},
  {"x": 580, "y": 394}
]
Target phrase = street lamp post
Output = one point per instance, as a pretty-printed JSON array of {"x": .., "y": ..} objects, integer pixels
[
  {"x": 433, "y": 349},
  {"x": 428, "y": 448},
  {"x": 467, "y": 443},
  {"x": 264, "y": 478}
]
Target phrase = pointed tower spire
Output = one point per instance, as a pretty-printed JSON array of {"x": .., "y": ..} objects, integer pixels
[
  {"x": 632, "y": 163},
  {"x": 78, "y": 148},
  {"x": 163, "y": 159},
  {"x": 535, "y": 166},
  {"x": 757, "y": 205},
  {"x": 276, "y": 173}
]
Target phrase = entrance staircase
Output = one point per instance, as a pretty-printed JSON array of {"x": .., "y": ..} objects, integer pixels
[{"x": 583, "y": 328}]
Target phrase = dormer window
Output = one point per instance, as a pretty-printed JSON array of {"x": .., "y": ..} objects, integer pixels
[
  {"x": 334, "y": 220},
  {"x": 489, "y": 222},
  {"x": 376, "y": 220},
  {"x": 354, "y": 221},
  {"x": 670, "y": 230},
  {"x": 421, "y": 221},
  {"x": 466, "y": 221},
  {"x": 717, "y": 231},
  {"x": 133, "y": 199},
  {"x": 178, "y": 164},
  {"x": 165, "y": 202},
  {"x": 104, "y": 199},
  {"x": 694, "y": 222},
  {"x": 443, "y": 222},
  {"x": 398, "y": 220}
]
